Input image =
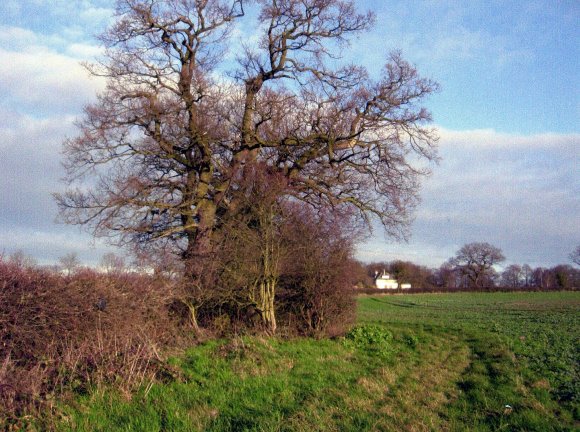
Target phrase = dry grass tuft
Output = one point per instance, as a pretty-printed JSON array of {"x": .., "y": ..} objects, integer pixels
[{"x": 542, "y": 384}]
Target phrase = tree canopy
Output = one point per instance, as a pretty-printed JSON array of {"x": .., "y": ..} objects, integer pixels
[{"x": 160, "y": 154}]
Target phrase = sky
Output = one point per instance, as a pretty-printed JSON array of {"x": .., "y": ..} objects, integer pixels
[{"x": 508, "y": 115}]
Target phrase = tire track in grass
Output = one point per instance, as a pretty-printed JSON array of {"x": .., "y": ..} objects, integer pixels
[{"x": 418, "y": 399}]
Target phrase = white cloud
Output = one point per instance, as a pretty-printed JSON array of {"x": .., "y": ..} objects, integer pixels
[
  {"x": 40, "y": 80},
  {"x": 84, "y": 51},
  {"x": 30, "y": 168},
  {"x": 23, "y": 40},
  {"x": 97, "y": 14},
  {"x": 521, "y": 193},
  {"x": 16, "y": 37},
  {"x": 490, "y": 138}
]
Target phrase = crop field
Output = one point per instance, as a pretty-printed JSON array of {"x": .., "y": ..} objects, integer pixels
[
  {"x": 458, "y": 362},
  {"x": 522, "y": 368}
]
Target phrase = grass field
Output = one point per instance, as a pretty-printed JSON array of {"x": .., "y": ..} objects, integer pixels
[{"x": 501, "y": 361}]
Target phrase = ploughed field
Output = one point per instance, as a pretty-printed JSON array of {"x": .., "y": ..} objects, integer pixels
[{"x": 469, "y": 361}]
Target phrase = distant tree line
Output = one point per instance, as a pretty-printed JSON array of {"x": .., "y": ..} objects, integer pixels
[{"x": 474, "y": 268}]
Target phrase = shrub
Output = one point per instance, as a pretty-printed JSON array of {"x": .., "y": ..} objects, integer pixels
[
  {"x": 316, "y": 294},
  {"x": 71, "y": 333}
]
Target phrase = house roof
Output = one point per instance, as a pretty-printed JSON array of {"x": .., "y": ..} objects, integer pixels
[{"x": 384, "y": 276}]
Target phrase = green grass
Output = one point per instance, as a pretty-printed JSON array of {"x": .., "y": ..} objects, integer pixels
[
  {"x": 416, "y": 362},
  {"x": 524, "y": 352}
]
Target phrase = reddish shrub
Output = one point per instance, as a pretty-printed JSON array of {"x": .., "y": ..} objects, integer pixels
[
  {"x": 316, "y": 293},
  {"x": 70, "y": 333}
]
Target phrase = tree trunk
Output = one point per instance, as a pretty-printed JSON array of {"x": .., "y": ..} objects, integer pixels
[
  {"x": 193, "y": 317},
  {"x": 266, "y": 304},
  {"x": 197, "y": 273}
]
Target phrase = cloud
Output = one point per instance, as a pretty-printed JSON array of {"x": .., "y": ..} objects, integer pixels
[
  {"x": 383, "y": 250},
  {"x": 43, "y": 90},
  {"x": 97, "y": 14},
  {"x": 436, "y": 34},
  {"x": 37, "y": 79},
  {"x": 30, "y": 167},
  {"x": 497, "y": 140},
  {"x": 521, "y": 193},
  {"x": 29, "y": 173},
  {"x": 16, "y": 37},
  {"x": 84, "y": 51}
]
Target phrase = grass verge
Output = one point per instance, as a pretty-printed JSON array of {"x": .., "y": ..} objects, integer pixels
[{"x": 460, "y": 362}]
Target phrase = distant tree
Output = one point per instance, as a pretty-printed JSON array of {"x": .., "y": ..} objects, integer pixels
[
  {"x": 542, "y": 278},
  {"x": 575, "y": 255},
  {"x": 566, "y": 277},
  {"x": 401, "y": 270},
  {"x": 475, "y": 261},
  {"x": 69, "y": 263},
  {"x": 361, "y": 276},
  {"x": 446, "y": 276},
  {"x": 512, "y": 276},
  {"x": 408, "y": 272},
  {"x": 112, "y": 263},
  {"x": 527, "y": 274},
  {"x": 22, "y": 259}
]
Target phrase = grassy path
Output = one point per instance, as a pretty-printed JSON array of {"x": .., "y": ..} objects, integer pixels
[{"x": 269, "y": 385}]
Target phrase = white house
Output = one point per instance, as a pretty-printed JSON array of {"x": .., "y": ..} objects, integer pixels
[{"x": 385, "y": 281}]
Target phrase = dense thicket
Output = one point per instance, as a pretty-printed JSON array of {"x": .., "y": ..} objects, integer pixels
[{"x": 60, "y": 333}]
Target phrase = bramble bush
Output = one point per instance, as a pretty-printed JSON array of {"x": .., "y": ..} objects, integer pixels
[{"x": 62, "y": 334}]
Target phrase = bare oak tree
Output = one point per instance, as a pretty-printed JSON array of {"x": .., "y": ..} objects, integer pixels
[
  {"x": 161, "y": 154},
  {"x": 475, "y": 262}
]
